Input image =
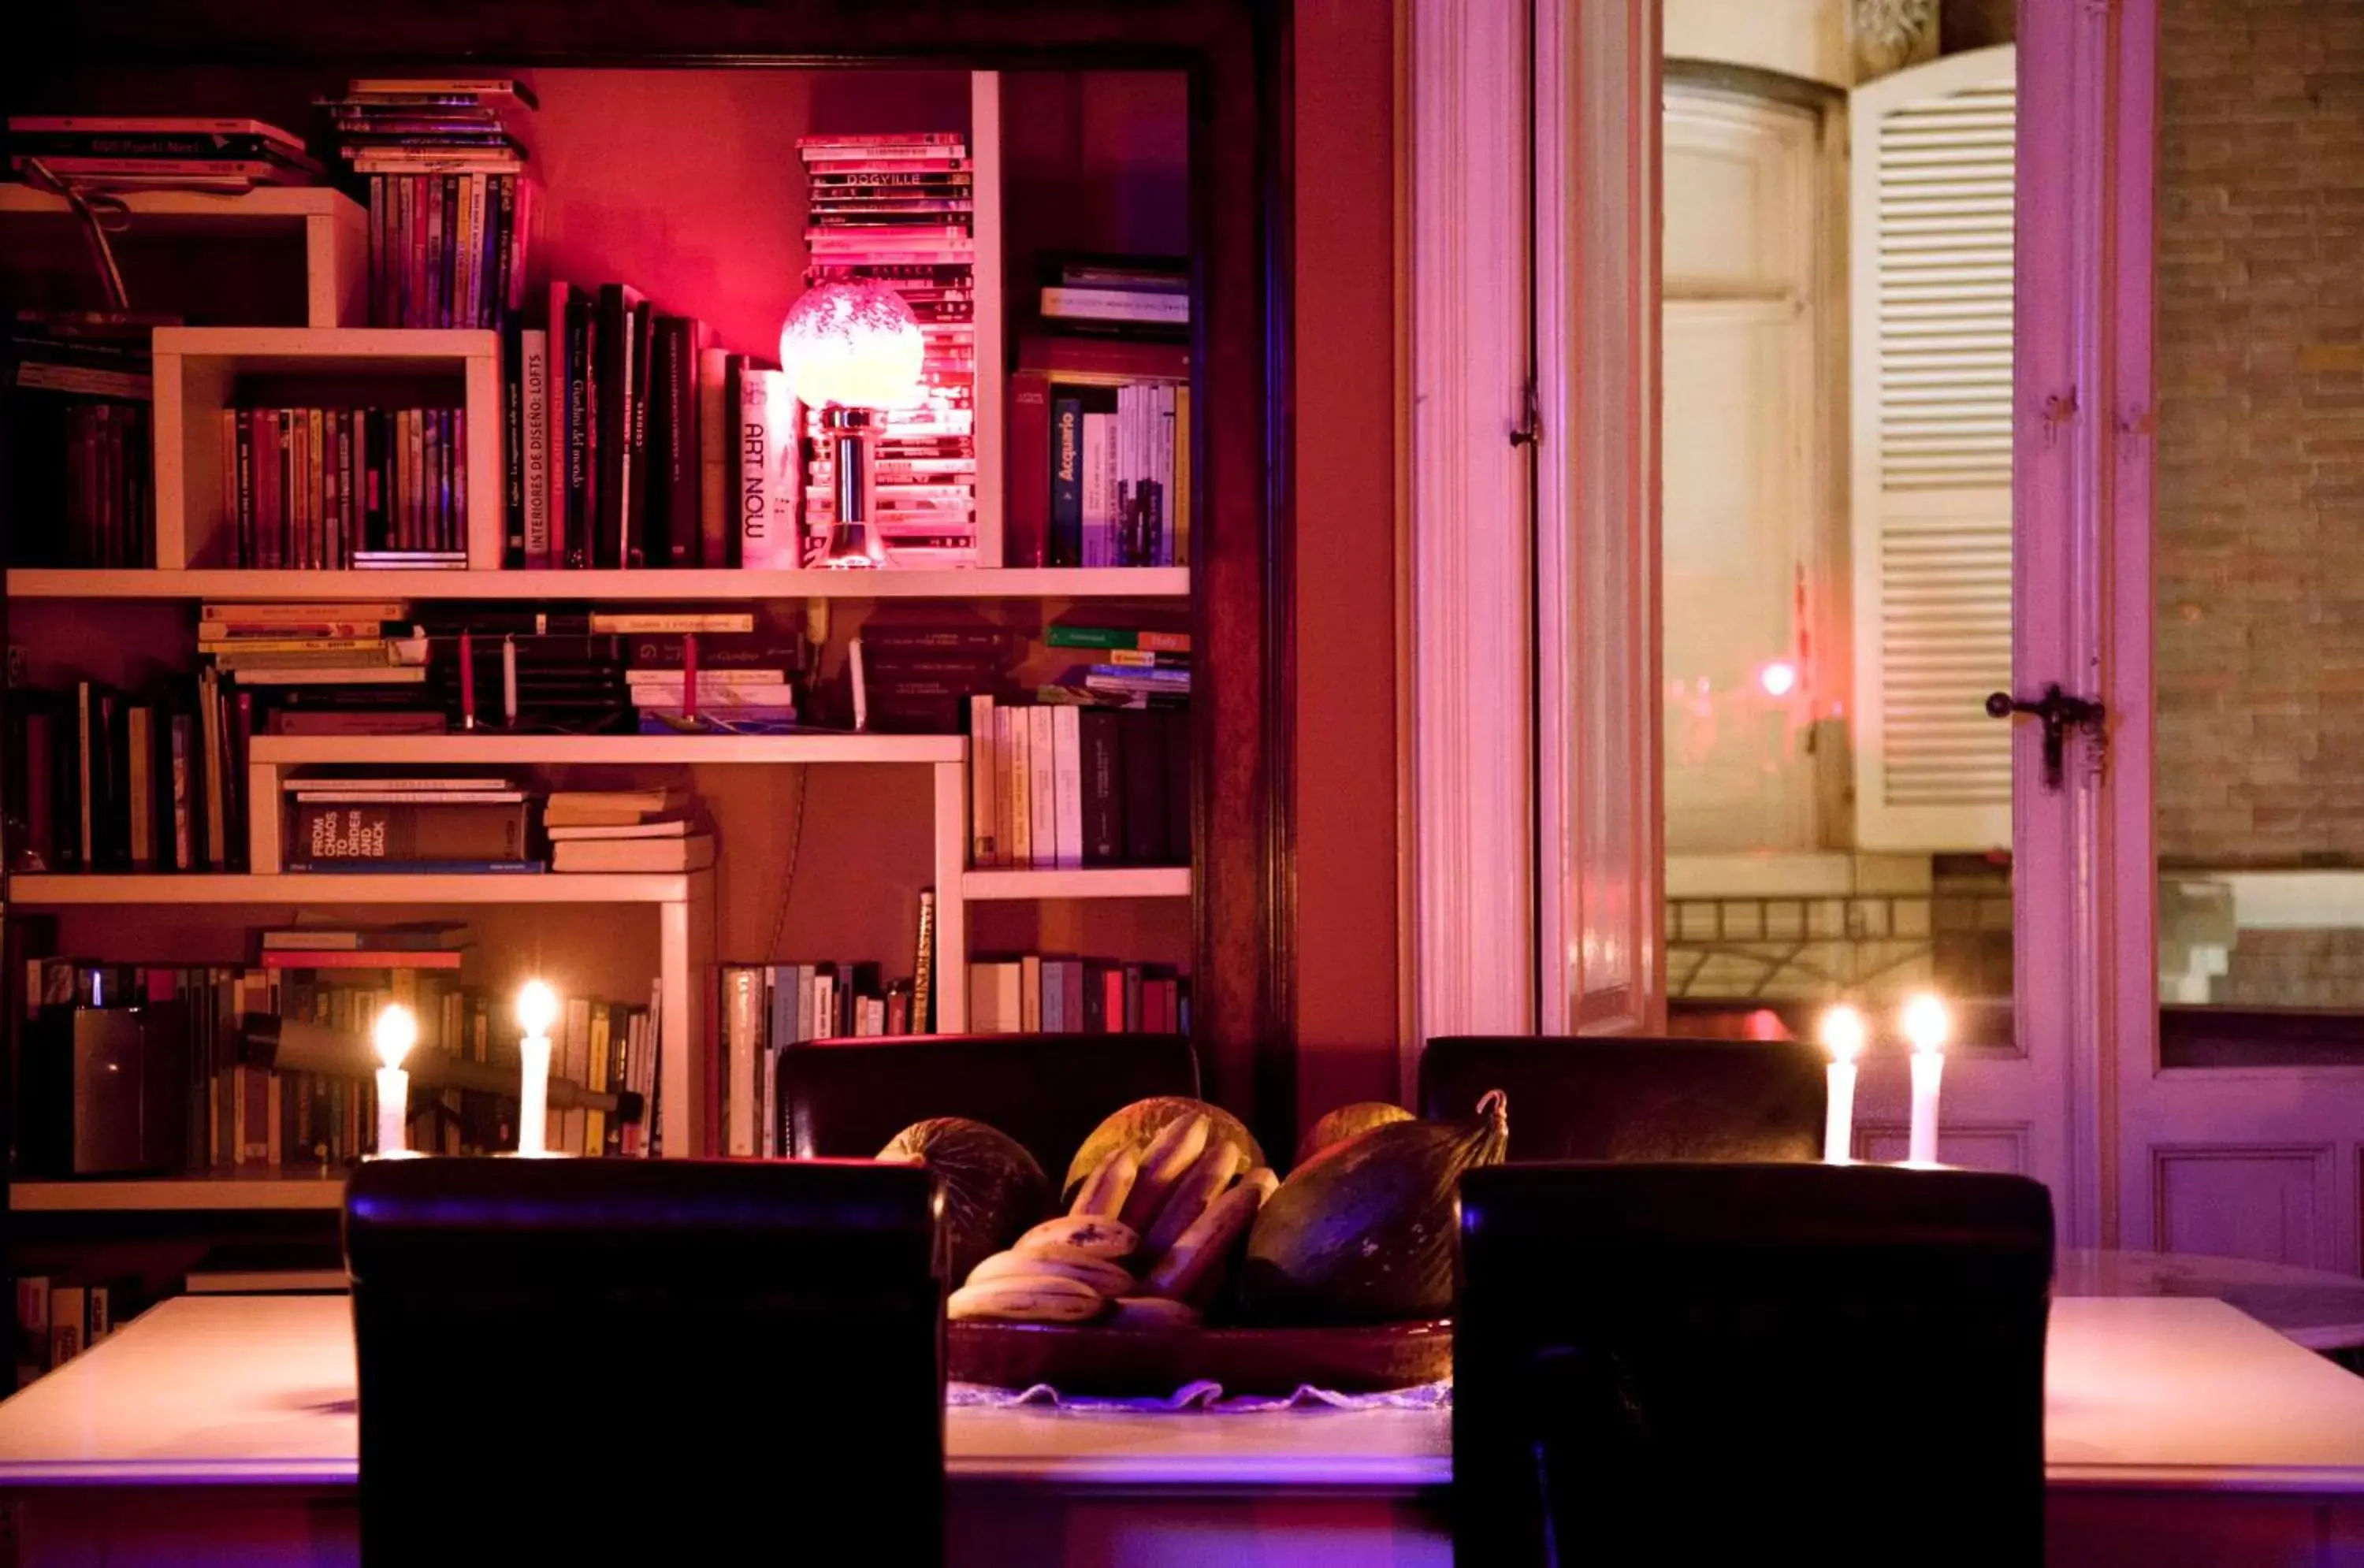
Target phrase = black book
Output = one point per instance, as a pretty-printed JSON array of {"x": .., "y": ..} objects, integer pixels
[
  {"x": 612, "y": 409},
  {"x": 673, "y": 440},
  {"x": 581, "y": 386},
  {"x": 643, "y": 541},
  {"x": 1103, "y": 779},
  {"x": 734, "y": 376},
  {"x": 1176, "y": 743},
  {"x": 1143, "y": 752},
  {"x": 512, "y": 444}
]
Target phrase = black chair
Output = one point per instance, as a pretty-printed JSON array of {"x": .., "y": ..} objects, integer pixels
[
  {"x": 624, "y": 1360},
  {"x": 1622, "y": 1097},
  {"x": 1717, "y": 1363},
  {"x": 846, "y": 1098}
]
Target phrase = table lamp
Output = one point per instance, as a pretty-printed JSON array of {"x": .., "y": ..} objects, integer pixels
[{"x": 849, "y": 350}]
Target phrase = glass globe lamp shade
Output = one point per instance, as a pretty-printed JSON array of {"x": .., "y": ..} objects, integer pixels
[{"x": 852, "y": 346}]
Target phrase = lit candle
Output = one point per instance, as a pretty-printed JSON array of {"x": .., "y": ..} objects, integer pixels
[
  {"x": 1926, "y": 1024},
  {"x": 1842, "y": 1034},
  {"x": 537, "y": 1010},
  {"x": 467, "y": 681},
  {"x": 397, "y": 1030},
  {"x": 689, "y": 675},
  {"x": 508, "y": 682}
]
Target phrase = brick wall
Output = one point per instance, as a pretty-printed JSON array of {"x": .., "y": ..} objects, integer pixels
[
  {"x": 2294, "y": 969},
  {"x": 2260, "y": 544}
]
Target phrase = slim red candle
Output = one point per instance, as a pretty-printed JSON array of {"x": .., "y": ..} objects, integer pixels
[
  {"x": 467, "y": 681},
  {"x": 689, "y": 676}
]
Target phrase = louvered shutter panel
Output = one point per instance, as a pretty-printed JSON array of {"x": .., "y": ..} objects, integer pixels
[{"x": 1931, "y": 321}]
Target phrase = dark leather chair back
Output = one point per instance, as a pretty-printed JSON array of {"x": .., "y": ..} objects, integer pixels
[
  {"x": 848, "y": 1097},
  {"x": 1622, "y": 1097},
  {"x": 627, "y": 1360},
  {"x": 1750, "y": 1363}
]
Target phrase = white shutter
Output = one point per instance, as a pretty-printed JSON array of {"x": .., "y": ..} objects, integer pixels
[{"x": 1930, "y": 207}]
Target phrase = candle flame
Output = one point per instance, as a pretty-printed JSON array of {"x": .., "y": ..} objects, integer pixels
[
  {"x": 1841, "y": 1033},
  {"x": 398, "y": 1031},
  {"x": 537, "y": 1007},
  {"x": 1926, "y": 1023}
]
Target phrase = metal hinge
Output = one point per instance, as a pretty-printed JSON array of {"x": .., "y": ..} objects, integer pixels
[{"x": 1531, "y": 418}]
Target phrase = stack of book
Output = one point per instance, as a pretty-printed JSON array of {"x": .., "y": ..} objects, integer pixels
[
  {"x": 104, "y": 780},
  {"x": 901, "y": 209},
  {"x": 323, "y": 645},
  {"x": 607, "y": 1047},
  {"x": 1100, "y": 454},
  {"x": 1034, "y": 993},
  {"x": 337, "y": 488},
  {"x": 746, "y": 681},
  {"x": 157, "y": 151},
  {"x": 450, "y": 206},
  {"x": 648, "y": 829},
  {"x": 1122, "y": 297},
  {"x": 1056, "y": 784},
  {"x": 80, "y": 447},
  {"x": 613, "y": 427},
  {"x": 420, "y": 825},
  {"x": 919, "y": 679},
  {"x": 768, "y": 1008}
]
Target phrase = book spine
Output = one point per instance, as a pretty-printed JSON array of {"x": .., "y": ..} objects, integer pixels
[
  {"x": 717, "y": 423},
  {"x": 611, "y": 416},
  {"x": 1043, "y": 785},
  {"x": 1097, "y": 462},
  {"x": 582, "y": 452},
  {"x": 1102, "y": 767},
  {"x": 1144, "y": 810},
  {"x": 643, "y": 535},
  {"x": 742, "y": 1022},
  {"x": 321, "y": 831},
  {"x": 513, "y": 476},
  {"x": 766, "y": 450},
  {"x": 983, "y": 766},
  {"x": 1175, "y": 744},
  {"x": 1026, "y": 527},
  {"x": 533, "y": 549},
  {"x": 1068, "y": 784},
  {"x": 679, "y": 463},
  {"x": 1017, "y": 781},
  {"x": 1065, "y": 544}
]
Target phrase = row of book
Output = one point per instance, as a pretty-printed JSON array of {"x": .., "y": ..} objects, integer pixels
[
  {"x": 56, "y": 1321},
  {"x": 771, "y": 1008},
  {"x": 81, "y": 446},
  {"x": 1122, "y": 297},
  {"x": 105, "y": 779},
  {"x": 1100, "y": 454},
  {"x": 899, "y": 209},
  {"x": 337, "y": 488},
  {"x": 1059, "y": 785},
  {"x": 130, "y": 153},
  {"x": 450, "y": 209},
  {"x": 244, "y": 1115},
  {"x": 1035, "y": 994}
]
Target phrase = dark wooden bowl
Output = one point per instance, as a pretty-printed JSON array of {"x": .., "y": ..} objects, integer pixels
[{"x": 1080, "y": 1359}]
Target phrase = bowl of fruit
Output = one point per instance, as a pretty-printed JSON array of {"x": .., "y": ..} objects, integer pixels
[{"x": 1174, "y": 1254}]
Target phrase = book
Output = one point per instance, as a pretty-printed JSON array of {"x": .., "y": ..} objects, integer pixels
[
  {"x": 985, "y": 763},
  {"x": 415, "y": 937},
  {"x": 534, "y": 476},
  {"x": 1067, "y": 635},
  {"x": 1101, "y": 786},
  {"x": 1116, "y": 304},
  {"x": 592, "y": 808},
  {"x": 714, "y": 446},
  {"x": 618, "y": 379},
  {"x": 1042, "y": 784},
  {"x": 923, "y": 967},
  {"x": 1066, "y": 785},
  {"x": 665, "y": 828},
  {"x": 1143, "y": 749},
  {"x": 368, "y": 958},
  {"x": 742, "y": 1044},
  {"x": 1026, "y": 520},
  {"x": 767, "y": 473},
  {"x": 321, "y": 832},
  {"x": 691, "y": 852}
]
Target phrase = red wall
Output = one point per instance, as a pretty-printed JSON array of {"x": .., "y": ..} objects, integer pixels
[{"x": 1346, "y": 410}]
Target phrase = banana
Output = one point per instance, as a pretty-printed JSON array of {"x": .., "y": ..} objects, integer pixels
[
  {"x": 1200, "y": 1186},
  {"x": 1026, "y": 1298},
  {"x": 1100, "y": 1238},
  {"x": 1192, "y": 1268},
  {"x": 1169, "y": 1155},
  {"x": 1151, "y": 1313},
  {"x": 1102, "y": 1193},
  {"x": 1263, "y": 1178},
  {"x": 1068, "y": 1263}
]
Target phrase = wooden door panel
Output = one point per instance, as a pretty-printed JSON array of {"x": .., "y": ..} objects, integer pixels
[{"x": 2275, "y": 1204}]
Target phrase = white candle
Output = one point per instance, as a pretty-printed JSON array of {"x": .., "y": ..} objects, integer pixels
[
  {"x": 1842, "y": 1034},
  {"x": 508, "y": 681},
  {"x": 397, "y": 1030},
  {"x": 1926, "y": 1026},
  {"x": 537, "y": 1010}
]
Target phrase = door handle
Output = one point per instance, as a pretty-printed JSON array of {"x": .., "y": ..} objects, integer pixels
[{"x": 2057, "y": 711}]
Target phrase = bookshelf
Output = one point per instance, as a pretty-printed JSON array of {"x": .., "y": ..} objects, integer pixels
[
  {"x": 180, "y": 1195},
  {"x": 1223, "y": 592}
]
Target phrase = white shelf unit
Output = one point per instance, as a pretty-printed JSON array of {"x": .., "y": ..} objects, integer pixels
[
  {"x": 242, "y": 1190},
  {"x": 197, "y": 372},
  {"x": 1091, "y": 882},
  {"x": 334, "y": 230},
  {"x": 607, "y": 587}
]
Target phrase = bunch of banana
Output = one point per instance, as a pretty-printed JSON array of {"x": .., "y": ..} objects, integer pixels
[
  {"x": 1178, "y": 1197},
  {"x": 1063, "y": 1271}
]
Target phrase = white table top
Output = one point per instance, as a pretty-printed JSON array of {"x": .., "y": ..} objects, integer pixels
[
  {"x": 2175, "y": 1394},
  {"x": 2321, "y": 1310}
]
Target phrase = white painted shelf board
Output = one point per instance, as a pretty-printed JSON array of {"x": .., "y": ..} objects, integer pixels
[
  {"x": 1095, "y": 882},
  {"x": 480, "y": 748},
  {"x": 261, "y": 347},
  {"x": 357, "y": 888},
  {"x": 197, "y": 212},
  {"x": 608, "y": 587},
  {"x": 180, "y": 1193}
]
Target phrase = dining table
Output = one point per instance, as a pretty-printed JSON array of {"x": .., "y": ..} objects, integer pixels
[{"x": 223, "y": 1429}]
